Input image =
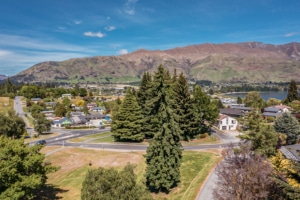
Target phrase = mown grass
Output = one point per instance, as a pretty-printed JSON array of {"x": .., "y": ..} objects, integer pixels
[
  {"x": 92, "y": 136},
  {"x": 74, "y": 165},
  {"x": 6, "y": 104}
]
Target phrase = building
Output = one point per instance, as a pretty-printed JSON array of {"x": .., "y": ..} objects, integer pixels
[{"x": 227, "y": 123}]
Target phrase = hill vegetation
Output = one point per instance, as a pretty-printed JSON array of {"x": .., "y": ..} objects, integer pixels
[{"x": 240, "y": 62}]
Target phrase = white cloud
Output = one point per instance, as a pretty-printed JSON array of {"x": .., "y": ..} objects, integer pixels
[
  {"x": 110, "y": 28},
  {"x": 108, "y": 17},
  {"x": 290, "y": 34},
  {"x": 77, "y": 21},
  {"x": 94, "y": 34},
  {"x": 23, "y": 42},
  {"x": 4, "y": 53},
  {"x": 122, "y": 52},
  {"x": 62, "y": 28},
  {"x": 129, "y": 7}
]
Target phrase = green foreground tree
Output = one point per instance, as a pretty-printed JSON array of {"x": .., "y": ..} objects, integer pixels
[
  {"x": 12, "y": 125},
  {"x": 206, "y": 111},
  {"x": 110, "y": 184},
  {"x": 263, "y": 137},
  {"x": 288, "y": 124},
  {"x": 21, "y": 169},
  {"x": 163, "y": 157},
  {"x": 128, "y": 123},
  {"x": 184, "y": 108}
]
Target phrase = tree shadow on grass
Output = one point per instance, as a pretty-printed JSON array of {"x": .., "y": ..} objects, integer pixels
[{"x": 49, "y": 192}]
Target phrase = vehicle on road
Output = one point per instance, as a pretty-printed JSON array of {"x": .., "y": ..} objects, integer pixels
[{"x": 41, "y": 142}]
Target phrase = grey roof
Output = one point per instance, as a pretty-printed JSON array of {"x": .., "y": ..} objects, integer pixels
[
  {"x": 272, "y": 109},
  {"x": 232, "y": 112},
  {"x": 89, "y": 117},
  {"x": 291, "y": 152},
  {"x": 270, "y": 114},
  {"x": 242, "y": 108}
]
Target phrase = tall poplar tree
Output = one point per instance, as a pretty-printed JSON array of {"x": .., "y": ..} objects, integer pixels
[
  {"x": 184, "y": 108},
  {"x": 163, "y": 157},
  {"x": 128, "y": 122}
]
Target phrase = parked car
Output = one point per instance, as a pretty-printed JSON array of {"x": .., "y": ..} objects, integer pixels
[{"x": 41, "y": 142}]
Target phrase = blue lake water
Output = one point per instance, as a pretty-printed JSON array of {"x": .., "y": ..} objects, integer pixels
[{"x": 265, "y": 95}]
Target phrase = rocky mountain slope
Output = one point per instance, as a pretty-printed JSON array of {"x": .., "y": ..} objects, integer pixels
[{"x": 240, "y": 62}]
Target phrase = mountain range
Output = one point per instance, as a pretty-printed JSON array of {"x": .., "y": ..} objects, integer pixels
[{"x": 228, "y": 62}]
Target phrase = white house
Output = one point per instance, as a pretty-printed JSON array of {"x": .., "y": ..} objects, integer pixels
[{"x": 226, "y": 123}]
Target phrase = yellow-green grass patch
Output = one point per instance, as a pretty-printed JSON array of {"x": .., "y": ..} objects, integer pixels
[
  {"x": 6, "y": 104},
  {"x": 74, "y": 163}
]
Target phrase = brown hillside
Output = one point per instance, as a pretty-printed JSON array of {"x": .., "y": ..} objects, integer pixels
[{"x": 246, "y": 62}]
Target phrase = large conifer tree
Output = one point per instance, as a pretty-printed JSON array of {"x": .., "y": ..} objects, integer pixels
[
  {"x": 164, "y": 153},
  {"x": 128, "y": 122},
  {"x": 184, "y": 108},
  {"x": 206, "y": 111},
  {"x": 292, "y": 92}
]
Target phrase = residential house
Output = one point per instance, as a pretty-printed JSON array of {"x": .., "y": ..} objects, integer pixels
[
  {"x": 36, "y": 100},
  {"x": 226, "y": 122},
  {"x": 275, "y": 111},
  {"x": 62, "y": 122}
]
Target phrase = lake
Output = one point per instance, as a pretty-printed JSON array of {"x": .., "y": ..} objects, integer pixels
[{"x": 265, "y": 95}]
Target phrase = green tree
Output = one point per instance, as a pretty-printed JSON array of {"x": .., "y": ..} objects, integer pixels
[
  {"x": 206, "y": 111},
  {"x": 263, "y": 137},
  {"x": 288, "y": 124},
  {"x": 110, "y": 184},
  {"x": 128, "y": 121},
  {"x": 8, "y": 87},
  {"x": 21, "y": 169},
  {"x": 184, "y": 108},
  {"x": 292, "y": 92},
  {"x": 12, "y": 125},
  {"x": 60, "y": 110},
  {"x": 143, "y": 94},
  {"x": 35, "y": 110},
  {"x": 163, "y": 157},
  {"x": 42, "y": 124},
  {"x": 254, "y": 100},
  {"x": 82, "y": 92},
  {"x": 273, "y": 102},
  {"x": 239, "y": 100}
]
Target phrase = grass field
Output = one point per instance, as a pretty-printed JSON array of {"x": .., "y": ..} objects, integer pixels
[
  {"x": 6, "y": 104},
  {"x": 74, "y": 163},
  {"x": 106, "y": 137}
]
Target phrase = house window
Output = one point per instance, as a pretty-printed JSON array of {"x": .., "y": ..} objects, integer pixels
[
  {"x": 233, "y": 121},
  {"x": 220, "y": 122},
  {"x": 227, "y": 120}
]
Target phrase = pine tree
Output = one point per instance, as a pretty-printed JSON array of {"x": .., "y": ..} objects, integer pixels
[
  {"x": 128, "y": 122},
  {"x": 184, "y": 108},
  {"x": 164, "y": 153},
  {"x": 288, "y": 124},
  {"x": 206, "y": 111},
  {"x": 263, "y": 137},
  {"x": 143, "y": 95},
  {"x": 292, "y": 92}
]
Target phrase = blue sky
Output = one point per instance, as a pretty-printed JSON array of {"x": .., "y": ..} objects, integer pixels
[{"x": 33, "y": 31}]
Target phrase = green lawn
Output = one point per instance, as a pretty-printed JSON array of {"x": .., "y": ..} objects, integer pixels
[
  {"x": 74, "y": 165},
  {"x": 98, "y": 136}
]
